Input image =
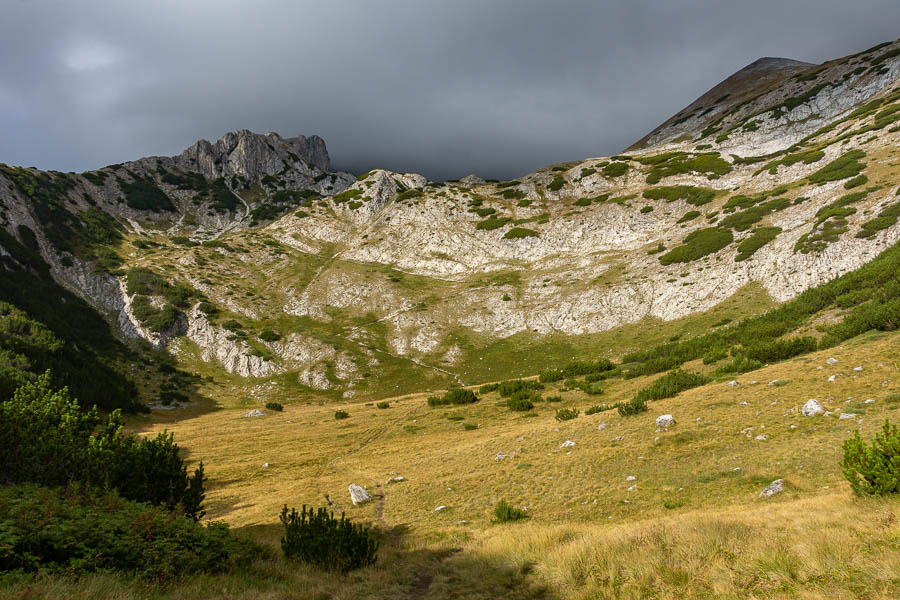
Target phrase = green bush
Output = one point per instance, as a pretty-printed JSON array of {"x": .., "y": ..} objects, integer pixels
[
  {"x": 856, "y": 182},
  {"x": 469, "y": 426},
  {"x": 521, "y": 401},
  {"x": 566, "y": 414},
  {"x": 553, "y": 399},
  {"x": 505, "y": 513},
  {"x": 488, "y": 388},
  {"x": 550, "y": 375},
  {"x": 276, "y": 406},
  {"x": 598, "y": 408},
  {"x": 671, "y": 384},
  {"x": 557, "y": 183},
  {"x": 47, "y": 439},
  {"x": 341, "y": 414},
  {"x": 698, "y": 244},
  {"x": 632, "y": 407},
  {"x": 614, "y": 169},
  {"x": 646, "y": 209},
  {"x": 759, "y": 238},
  {"x": 510, "y": 387},
  {"x": 267, "y": 335},
  {"x": 688, "y": 216},
  {"x": 382, "y": 405},
  {"x": 843, "y": 167},
  {"x": 76, "y": 530},
  {"x": 318, "y": 538},
  {"x": 696, "y": 196},
  {"x": 519, "y": 232},
  {"x": 676, "y": 163},
  {"x": 456, "y": 396},
  {"x": 492, "y": 223},
  {"x": 873, "y": 469}
]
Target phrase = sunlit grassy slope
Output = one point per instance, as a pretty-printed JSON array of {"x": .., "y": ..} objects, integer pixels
[{"x": 691, "y": 527}]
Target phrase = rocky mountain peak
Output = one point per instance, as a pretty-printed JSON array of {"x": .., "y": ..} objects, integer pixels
[{"x": 253, "y": 155}]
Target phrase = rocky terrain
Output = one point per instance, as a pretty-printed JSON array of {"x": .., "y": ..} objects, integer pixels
[{"x": 265, "y": 263}]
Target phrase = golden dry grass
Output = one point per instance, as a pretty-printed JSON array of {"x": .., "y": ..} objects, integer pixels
[{"x": 692, "y": 528}]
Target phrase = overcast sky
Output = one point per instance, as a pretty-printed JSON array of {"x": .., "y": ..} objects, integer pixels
[{"x": 441, "y": 88}]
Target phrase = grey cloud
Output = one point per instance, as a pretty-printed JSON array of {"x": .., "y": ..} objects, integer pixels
[{"x": 443, "y": 88}]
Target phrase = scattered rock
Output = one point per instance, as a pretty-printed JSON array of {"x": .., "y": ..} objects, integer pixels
[
  {"x": 631, "y": 478},
  {"x": 255, "y": 413},
  {"x": 618, "y": 438},
  {"x": 857, "y": 368},
  {"x": 776, "y": 487},
  {"x": 500, "y": 456},
  {"x": 441, "y": 508},
  {"x": 665, "y": 421},
  {"x": 265, "y": 465},
  {"x": 831, "y": 361},
  {"x": 601, "y": 426},
  {"x": 632, "y": 488},
  {"x": 832, "y": 378},
  {"x": 567, "y": 444},
  {"x": 733, "y": 383},
  {"x": 844, "y": 416},
  {"x": 812, "y": 408},
  {"x": 396, "y": 479},
  {"x": 761, "y": 437},
  {"x": 743, "y": 403},
  {"x": 358, "y": 494},
  {"x": 869, "y": 401}
]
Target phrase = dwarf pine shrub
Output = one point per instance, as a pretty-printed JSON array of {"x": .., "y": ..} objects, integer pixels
[
  {"x": 456, "y": 396},
  {"x": 505, "y": 512},
  {"x": 276, "y": 406},
  {"x": 634, "y": 406},
  {"x": 567, "y": 414},
  {"x": 341, "y": 414},
  {"x": 318, "y": 538},
  {"x": 873, "y": 469}
]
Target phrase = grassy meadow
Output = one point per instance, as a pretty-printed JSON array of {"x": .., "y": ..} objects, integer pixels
[{"x": 690, "y": 525}]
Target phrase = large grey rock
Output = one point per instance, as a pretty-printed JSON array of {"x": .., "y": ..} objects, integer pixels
[
  {"x": 665, "y": 421},
  {"x": 776, "y": 487},
  {"x": 358, "y": 494},
  {"x": 812, "y": 408}
]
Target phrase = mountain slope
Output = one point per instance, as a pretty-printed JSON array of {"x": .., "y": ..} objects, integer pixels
[{"x": 250, "y": 260}]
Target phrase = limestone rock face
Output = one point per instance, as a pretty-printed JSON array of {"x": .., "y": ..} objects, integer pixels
[{"x": 253, "y": 155}]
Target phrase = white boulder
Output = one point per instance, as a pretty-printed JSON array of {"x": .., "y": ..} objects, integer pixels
[
  {"x": 358, "y": 494},
  {"x": 776, "y": 487},
  {"x": 665, "y": 421},
  {"x": 812, "y": 408}
]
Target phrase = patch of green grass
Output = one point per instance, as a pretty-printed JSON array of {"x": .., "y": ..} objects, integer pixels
[
  {"x": 519, "y": 232},
  {"x": 688, "y": 216},
  {"x": 646, "y": 209},
  {"x": 696, "y": 196},
  {"x": 698, "y": 244},
  {"x": 678, "y": 163},
  {"x": 843, "y": 167},
  {"x": 759, "y": 238}
]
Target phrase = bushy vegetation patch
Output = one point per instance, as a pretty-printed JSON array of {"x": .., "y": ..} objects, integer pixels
[
  {"x": 275, "y": 406},
  {"x": 318, "y": 538},
  {"x": 510, "y": 387},
  {"x": 677, "y": 163},
  {"x": 557, "y": 183},
  {"x": 522, "y": 401},
  {"x": 880, "y": 311},
  {"x": 671, "y": 384},
  {"x": 456, "y": 396},
  {"x": 697, "y": 196},
  {"x": 635, "y": 406},
  {"x": 846, "y": 166},
  {"x": 873, "y": 469},
  {"x": 48, "y": 440},
  {"x": 759, "y": 238},
  {"x": 492, "y": 223},
  {"x": 506, "y": 513},
  {"x": 614, "y": 169},
  {"x": 347, "y": 196},
  {"x": 519, "y": 232},
  {"x": 567, "y": 414},
  {"x": 698, "y": 244},
  {"x": 341, "y": 414},
  {"x": 831, "y": 222},
  {"x": 885, "y": 219},
  {"x": 144, "y": 194},
  {"x": 855, "y": 182},
  {"x": 75, "y": 530},
  {"x": 745, "y": 219},
  {"x": 688, "y": 216}
]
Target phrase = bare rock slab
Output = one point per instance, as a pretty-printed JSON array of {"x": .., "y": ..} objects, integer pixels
[{"x": 358, "y": 494}]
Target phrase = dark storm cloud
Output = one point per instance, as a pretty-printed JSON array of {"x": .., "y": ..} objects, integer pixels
[{"x": 442, "y": 88}]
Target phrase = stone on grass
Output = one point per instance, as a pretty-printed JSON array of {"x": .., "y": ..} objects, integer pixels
[
  {"x": 761, "y": 437},
  {"x": 601, "y": 426},
  {"x": 844, "y": 416},
  {"x": 733, "y": 383},
  {"x": 869, "y": 401},
  {"x": 832, "y": 378},
  {"x": 567, "y": 444},
  {"x": 831, "y": 361},
  {"x": 857, "y": 368},
  {"x": 630, "y": 478},
  {"x": 665, "y": 421},
  {"x": 396, "y": 479},
  {"x": 358, "y": 494},
  {"x": 255, "y": 413},
  {"x": 812, "y": 408},
  {"x": 441, "y": 508},
  {"x": 500, "y": 456},
  {"x": 776, "y": 487}
]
